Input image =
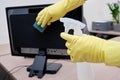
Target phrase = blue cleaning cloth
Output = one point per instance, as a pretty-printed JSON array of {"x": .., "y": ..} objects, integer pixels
[{"x": 38, "y": 27}]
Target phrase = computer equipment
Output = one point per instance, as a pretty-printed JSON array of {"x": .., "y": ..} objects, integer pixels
[{"x": 26, "y": 41}]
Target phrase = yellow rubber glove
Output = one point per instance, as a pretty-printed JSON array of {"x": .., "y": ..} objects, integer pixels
[
  {"x": 86, "y": 48},
  {"x": 56, "y": 11}
]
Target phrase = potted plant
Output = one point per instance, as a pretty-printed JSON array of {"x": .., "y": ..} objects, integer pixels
[{"x": 115, "y": 11}]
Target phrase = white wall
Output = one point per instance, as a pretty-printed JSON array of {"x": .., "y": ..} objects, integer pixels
[
  {"x": 93, "y": 10},
  {"x": 97, "y": 10}
]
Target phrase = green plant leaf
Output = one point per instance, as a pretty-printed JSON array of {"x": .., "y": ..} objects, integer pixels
[{"x": 114, "y": 8}]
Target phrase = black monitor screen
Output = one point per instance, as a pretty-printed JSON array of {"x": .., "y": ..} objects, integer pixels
[{"x": 25, "y": 40}]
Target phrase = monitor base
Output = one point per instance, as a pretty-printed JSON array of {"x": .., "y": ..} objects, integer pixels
[
  {"x": 52, "y": 68},
  {"x": 40, "y": 66}
]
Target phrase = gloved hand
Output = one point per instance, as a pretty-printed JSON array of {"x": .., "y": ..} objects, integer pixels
[
  {"x": 56, "y": 11},
  {"x": 84, "y": 48},
  {"x": 87, "y": 48}
]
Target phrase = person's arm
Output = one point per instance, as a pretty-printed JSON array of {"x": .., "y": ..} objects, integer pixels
[
  {"x": 87, "y": 48},
  {"x": 56, "y": 11},
  {"x": 112, "y": 53}
]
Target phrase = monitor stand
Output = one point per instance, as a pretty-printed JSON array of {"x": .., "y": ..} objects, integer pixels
[{"x": 40, "y": 66}]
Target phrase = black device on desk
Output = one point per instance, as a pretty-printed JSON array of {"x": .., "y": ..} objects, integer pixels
[{"x": 26, "y": 41}]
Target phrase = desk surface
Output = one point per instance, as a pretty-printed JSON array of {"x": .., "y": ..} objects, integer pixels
[
  {"x": 11, "y": 62},
  {"x": 116, "y": 38},
  {"x": 67, "y": 72},
  {"x": 106, "y": 32}
]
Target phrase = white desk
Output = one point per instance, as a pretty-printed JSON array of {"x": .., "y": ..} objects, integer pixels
[{"x": 67, "y": 72}]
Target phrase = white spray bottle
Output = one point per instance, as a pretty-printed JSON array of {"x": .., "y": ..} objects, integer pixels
[{"x": 84, "y": 70}]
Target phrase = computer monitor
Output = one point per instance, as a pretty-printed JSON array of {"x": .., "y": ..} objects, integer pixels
[{"x": 26, "y": 41}]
